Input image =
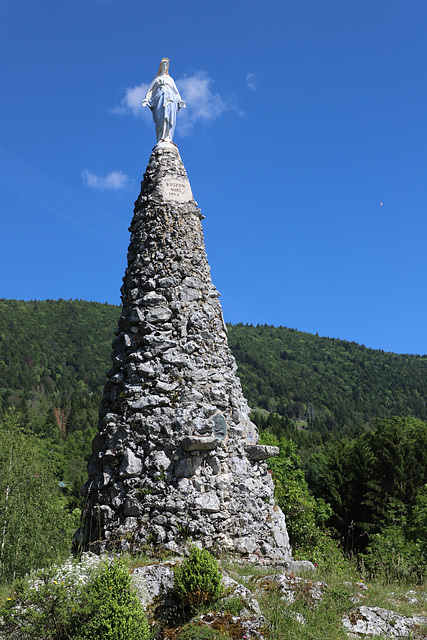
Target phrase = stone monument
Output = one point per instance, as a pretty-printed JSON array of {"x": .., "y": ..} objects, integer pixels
[{"x": 176, "y": 458}]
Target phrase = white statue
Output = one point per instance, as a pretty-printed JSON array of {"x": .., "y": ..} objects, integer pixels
[{"x": 164, "y": 101}]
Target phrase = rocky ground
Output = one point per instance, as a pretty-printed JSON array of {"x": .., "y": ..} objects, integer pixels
[
  {"x": 243, "y": 612},
  {"x": 259, "y": 602}
]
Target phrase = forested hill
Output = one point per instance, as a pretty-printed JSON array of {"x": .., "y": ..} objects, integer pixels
[
  {"x": 326, "y": 382},
  {"x": 54, "y": 355},
  {"x": 53, "y": 358}
]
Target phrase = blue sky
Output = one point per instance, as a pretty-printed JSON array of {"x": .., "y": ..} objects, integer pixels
[{"x": 303, "y": 117}]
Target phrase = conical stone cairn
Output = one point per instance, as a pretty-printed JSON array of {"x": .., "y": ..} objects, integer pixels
[{"x": 176, "y": 458}]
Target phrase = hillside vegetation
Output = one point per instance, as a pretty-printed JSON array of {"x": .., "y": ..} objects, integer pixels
[
  {"x": 350, "y": 423},
  {"x": 54, "y": 355},
  {"x": 328, "y": 383},
  {"x": 53, "y": 359}
]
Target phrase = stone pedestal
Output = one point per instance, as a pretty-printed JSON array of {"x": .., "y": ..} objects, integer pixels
[{"x": 176, "y": 457}]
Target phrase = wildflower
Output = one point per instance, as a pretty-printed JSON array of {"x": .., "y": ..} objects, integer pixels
[{"x": 54, "y": 582}]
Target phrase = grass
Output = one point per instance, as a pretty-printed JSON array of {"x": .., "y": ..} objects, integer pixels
[
  {"x": 347, "y": 588},
  {"x": 323, "y": 620}
]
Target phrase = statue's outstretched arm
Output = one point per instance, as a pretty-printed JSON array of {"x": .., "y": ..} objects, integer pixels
[
  {"x": 149, "y": 93},
  {"x": 180, "y": 101}
]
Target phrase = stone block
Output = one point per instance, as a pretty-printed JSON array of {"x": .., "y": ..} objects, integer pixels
[
  {"x": 150, "y": 401},
  {"x": 195, "y": 443},
  {"x": 246, "y": 545},
  {"x": 159, "y": 314},
  {"x": 131, "y": 465},
  {"x": 174, "y": 358},
  {"x": 280, "y": 533},
  {"x": 298, "y": 566},
  {"x": 160, "y": 460},
  {"x": 215, "y": 465},
  {"x": 153, "y": 299},
  {"x": 136, "y": 315},
  {"x": 261, "y": 451},
  {"x": 132, "y": 507},
  {"x": 238, "y": 466},
  {"x": 207, "y": 501}
]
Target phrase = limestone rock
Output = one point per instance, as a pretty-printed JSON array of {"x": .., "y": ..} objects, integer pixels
[
  {"x": 208, "y": 502},
  {"x": 366, "y": 622},
  {"x": 236, "y": 590},
  {"x": 298, "y": 566},
  {"x": 196, "y": 443},
  {"x": 153, "y": 581},
  {"x": 248, "y": 626},
  {"x": 154, "y": 587},
  {"x": 290, "y": 586},
  {"x": 131, "y": 465},
  {"x": 261, "y": 452}
]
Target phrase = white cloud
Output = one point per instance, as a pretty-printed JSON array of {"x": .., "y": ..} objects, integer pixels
[
  {"x": 251, "y": 81},
  {"x": 131, "y": 101},
  {"x": 114, "y": 180},
  {"x": 203, "y": 104}
]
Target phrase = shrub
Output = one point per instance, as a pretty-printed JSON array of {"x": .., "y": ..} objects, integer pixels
[
  {"x": 86, "y": 602},
  {"x": 112, "y": 610},
  {"x": 303, "y": 512},
  {"x": 40, "y": 608},
  {"x": 325, "y": 553},
  {"x": 393, "y": 558},
  {"x": 198, "y": 580}
]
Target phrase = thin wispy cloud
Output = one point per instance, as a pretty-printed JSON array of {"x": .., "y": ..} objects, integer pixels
[
  {"x": 203, "y": 103},
  {"x": 251, "y": 81},
  {"x": 131, "y": 101},
  {"x": 50, "y": 195},
  {"x": 114, "y": 180}
]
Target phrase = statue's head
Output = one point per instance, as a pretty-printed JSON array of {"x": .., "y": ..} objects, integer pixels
[{"x": 164, "y": 67}]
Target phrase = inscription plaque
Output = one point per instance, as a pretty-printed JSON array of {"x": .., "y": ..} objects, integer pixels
[
  {"x": 176, "y": 189},
  {"x": 220, "y": 426}
]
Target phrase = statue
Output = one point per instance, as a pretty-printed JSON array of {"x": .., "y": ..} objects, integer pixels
[{"x": 164, "y": 101}]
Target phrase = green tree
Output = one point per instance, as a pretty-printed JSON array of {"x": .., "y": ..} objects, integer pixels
[
  {"x": 303, "y": 512},
  {"x": 375, "y": 481},
  {"x": 419, "y": 520},
  {"x": 34, "y": 524}
]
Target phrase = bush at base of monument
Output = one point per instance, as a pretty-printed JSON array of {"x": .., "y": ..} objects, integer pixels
[
  {"x": 114, "y": 611},
  {"x": 198, "y": 579},
  {"x": 53, "y": 605}
]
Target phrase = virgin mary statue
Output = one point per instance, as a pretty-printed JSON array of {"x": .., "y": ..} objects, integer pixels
[{"x": 164, "y": 101}]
